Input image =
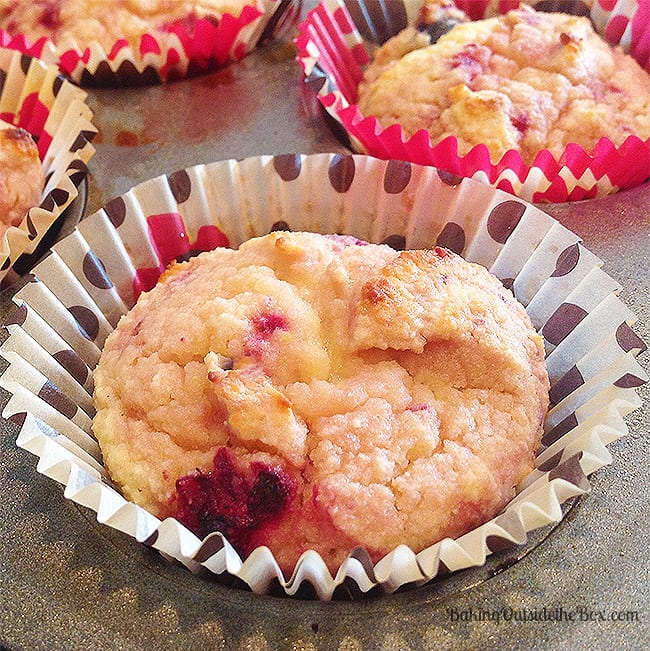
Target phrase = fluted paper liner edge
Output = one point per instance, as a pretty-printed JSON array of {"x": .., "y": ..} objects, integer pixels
[{"x": 58, "y": 327}]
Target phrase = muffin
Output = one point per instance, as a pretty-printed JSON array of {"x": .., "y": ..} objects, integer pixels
[
  {"x": 316, "y": 392},
  {"x": 524, "y": 81},
  {"x": 140, "y": 42},
  {"x": 46, "y": 137},
  {"x": 485, "y": 8},
  {"x": 572, "y": 302},
  {"x": 344, "y": 48},
  {"x": 80, "y": 22},
  {"x": 22, "y": 178}
]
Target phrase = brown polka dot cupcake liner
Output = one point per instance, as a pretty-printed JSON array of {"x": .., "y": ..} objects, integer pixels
[
  {"x": 183, "y": 49},
  {"x": 93, "y": 277},
  {"x": 335, "y": 43},
  {"x": 36, "y": 98}
]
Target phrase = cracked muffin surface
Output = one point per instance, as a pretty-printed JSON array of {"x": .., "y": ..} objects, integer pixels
[
  {"x": 316, "y": 392},
  {"x": 526, "y": 81}
]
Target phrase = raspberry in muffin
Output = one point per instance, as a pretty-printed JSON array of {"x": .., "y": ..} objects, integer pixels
[
  {"x": 525, "y": 81},
  {"x": 317, "y": 392},
  {"x": 21, "y": 175}
]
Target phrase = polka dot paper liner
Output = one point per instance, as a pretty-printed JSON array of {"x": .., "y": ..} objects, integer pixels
[
  {"x": 34, "y": 96},
  {"x": 183, "y": 49},
  {"x": 334, "y": 46},
  {"x": 93, "y": 276}
]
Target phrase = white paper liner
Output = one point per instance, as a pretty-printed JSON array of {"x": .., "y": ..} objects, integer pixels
[
  {"x": 35, "y": 97},
  {"x": 61, "y": 320}
]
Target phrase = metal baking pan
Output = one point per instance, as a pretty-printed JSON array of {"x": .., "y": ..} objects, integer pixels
[{"x": 68, "y": 582}]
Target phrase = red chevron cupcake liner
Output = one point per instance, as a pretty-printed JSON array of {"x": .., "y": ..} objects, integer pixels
[{"x": 182, "y": 50}]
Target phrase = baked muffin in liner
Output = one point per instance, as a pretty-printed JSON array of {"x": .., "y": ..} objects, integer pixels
[
  {"x": 335, "y": 44},
  {"x": 185, "y": 49},
  {"x": 34, "y": 96},
  {"x": 92, "y": 277}
]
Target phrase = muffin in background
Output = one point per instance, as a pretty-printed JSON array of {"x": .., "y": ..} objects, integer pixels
[
  {"x": 82, "y": 22},
  {"x": 45, "y": 144},
  {"x": 524, "y": 81},
  {"x": 22, "y": 178},
  {"x": 112, "y": 43},
  {"x": 336, "y": 46}
]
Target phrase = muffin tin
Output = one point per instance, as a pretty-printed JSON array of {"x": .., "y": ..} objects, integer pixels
[{"x": 118, "y": 590}]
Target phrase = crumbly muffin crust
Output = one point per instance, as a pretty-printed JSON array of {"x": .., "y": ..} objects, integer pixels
[
  {"x": 525, "y": 80},
  {"x": 315, "y": 392}
]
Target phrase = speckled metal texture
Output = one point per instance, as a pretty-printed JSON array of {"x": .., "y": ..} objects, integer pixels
[{"x": 68, "y": 582}]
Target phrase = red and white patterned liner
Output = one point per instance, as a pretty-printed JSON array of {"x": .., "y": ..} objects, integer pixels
[
  {"x": 93, "y": 276},
  {"x": 333, "y": 54},
  {"x": 35, "y": 97},
  {"x": 169, "y": 56}
]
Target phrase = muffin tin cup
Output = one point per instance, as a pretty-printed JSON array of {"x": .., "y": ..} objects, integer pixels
[
  {"x": 163, "y": 57},
  {"x": 335, "y": 44},
  {"x": 34, "y": 96},
  {"x": 93, "y": 276}
]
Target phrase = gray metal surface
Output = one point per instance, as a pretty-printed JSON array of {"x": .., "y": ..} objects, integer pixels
[{"x": 68, "y": 582}]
